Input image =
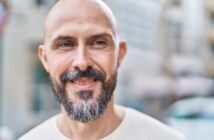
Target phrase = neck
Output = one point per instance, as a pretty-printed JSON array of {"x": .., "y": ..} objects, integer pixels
[{"x": 75, "y": 130}]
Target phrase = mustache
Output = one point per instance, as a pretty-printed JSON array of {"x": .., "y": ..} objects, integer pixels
[{"x": 88, "y": 73}]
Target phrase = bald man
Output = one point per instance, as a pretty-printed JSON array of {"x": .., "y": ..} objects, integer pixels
[{"x": 82, "y": 52}]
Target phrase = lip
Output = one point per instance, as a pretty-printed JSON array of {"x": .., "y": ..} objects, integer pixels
[{"x": 85, "y": 85}]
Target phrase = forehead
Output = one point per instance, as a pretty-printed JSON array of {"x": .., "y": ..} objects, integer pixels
[{"x": 72, "y": 17}]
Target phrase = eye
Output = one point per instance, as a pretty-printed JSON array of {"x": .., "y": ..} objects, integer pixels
[
  {"x": 98, "y": 43},
  {"x": 66, "y": 45}
]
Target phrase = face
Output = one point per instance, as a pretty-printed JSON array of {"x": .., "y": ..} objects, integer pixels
[{"x": 81, "y": 56}]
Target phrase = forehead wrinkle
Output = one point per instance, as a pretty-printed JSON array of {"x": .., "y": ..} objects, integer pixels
[{"x": 86, "y": 9}]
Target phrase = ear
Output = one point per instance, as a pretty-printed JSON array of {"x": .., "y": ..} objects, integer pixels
[
  {"x": 121, "y": 53},
  {"x": 43, "y": 57}
]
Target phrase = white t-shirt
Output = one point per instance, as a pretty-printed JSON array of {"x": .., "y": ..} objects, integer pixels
[{"x": 135, "y": 126}]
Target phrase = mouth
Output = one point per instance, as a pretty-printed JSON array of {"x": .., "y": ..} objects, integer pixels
[{"x": 84, "y": 83}]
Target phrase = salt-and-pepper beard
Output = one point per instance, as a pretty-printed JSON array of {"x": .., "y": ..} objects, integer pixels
[{"x": 85, "y": 111}]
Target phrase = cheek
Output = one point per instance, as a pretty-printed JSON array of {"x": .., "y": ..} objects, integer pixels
[
  {"x": 58, "y": 65},
  {"x": 107, "y": 62}
]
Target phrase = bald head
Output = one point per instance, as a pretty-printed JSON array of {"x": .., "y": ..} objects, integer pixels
[
  {"x": 78, "y": 12},
  {"x": 81, "y": 36}
]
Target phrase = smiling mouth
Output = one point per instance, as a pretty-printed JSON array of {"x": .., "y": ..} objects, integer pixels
[{"x": 84, "y": 83}]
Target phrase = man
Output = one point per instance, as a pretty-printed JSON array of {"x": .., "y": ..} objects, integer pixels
[
  {"x": 82, "y": 52},
  {"x": 4, "y": 12}
]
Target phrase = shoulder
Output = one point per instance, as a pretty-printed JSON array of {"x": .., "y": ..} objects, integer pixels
[
  {"x": 152, "y": 128},
  {"x": 41, "y": 131}
]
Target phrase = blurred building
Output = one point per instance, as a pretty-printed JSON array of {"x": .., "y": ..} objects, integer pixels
[
  {"x": 21, "y": 39},
  {"x": 169, "y": 56},
  {"x": 209, "y": 34},
  {"x": 167, "y": 39}
]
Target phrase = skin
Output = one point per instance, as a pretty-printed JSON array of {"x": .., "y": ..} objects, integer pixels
[{"x": 83, "y": 34}]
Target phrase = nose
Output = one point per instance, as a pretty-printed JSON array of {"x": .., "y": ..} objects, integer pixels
[{"x": 81, "y": 60}]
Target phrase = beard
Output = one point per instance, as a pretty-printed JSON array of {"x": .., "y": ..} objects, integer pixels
[{"x": 86, "y": 109}]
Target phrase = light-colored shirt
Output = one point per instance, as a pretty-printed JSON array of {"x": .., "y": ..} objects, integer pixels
[{"x": 134, "y": 126}]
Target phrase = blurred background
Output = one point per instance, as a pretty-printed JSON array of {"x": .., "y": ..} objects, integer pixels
[{"x": 168, "y": 72}]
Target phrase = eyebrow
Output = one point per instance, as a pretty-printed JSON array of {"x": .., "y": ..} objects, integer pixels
[{"x": 67, "y": 37}]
